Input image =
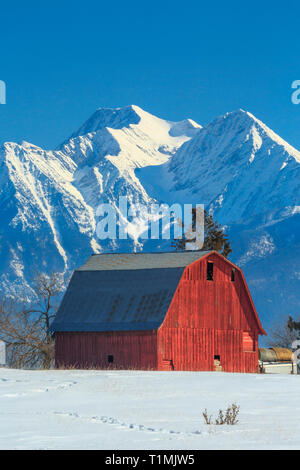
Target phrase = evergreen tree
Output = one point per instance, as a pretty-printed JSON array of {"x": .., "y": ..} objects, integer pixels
[
  {"x": 294, "y": 327},
  {"x": 214, "y": 236}
]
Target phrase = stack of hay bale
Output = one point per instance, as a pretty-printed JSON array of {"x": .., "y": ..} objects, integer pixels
[{"x": 277, "y": 361}]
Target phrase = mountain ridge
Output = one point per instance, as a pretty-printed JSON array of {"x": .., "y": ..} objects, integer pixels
[{"x": 243, "y": 172}]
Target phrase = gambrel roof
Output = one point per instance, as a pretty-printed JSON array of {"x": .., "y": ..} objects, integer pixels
[
  {"x": 122, "y": 292},
  {"x": 126, "y": 291}
]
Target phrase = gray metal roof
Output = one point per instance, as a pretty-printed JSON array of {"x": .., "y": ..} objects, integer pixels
[
  {"x": 121, "y": 261},
  {"x": 122, "y": 292}
]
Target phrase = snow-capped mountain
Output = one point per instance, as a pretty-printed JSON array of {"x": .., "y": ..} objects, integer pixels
[
  {"x": 48, "y": 198},
  {"x": 237, "y": 167},
  {"x": 250, "y": 179},
  {"x": 241, "y": 170}
]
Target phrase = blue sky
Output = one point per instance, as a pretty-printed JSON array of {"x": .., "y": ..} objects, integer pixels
[{"x": 62, "y": 60}]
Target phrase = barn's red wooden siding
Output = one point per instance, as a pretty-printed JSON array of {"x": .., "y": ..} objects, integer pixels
[
  {"x": 207, "y": 319},
  {"x": 131, "y": 350}
]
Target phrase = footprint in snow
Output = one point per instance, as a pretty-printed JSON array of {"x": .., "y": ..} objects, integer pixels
[{"x": 138, "y": 427}]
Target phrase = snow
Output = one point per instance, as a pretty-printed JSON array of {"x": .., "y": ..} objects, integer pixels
[
  {"x": 50, "y": 197},
  {"x": 258, "y": 248},
  {"x": 186, "y": 127},
  {"x": 243, "y": 172},
  {"x": 146, "y": 410},
  {"x": 241, "y": 154}
]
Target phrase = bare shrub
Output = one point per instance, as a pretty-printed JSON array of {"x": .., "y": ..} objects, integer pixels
[
  {"x": 232, "y": 414},
  {"x": 229, "y": 416},
  {"x": 207, "y": 417},
  {"x": 221, "y": 419}
]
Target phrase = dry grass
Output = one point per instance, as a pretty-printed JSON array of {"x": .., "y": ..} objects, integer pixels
[{"x": 229, "y": 416}]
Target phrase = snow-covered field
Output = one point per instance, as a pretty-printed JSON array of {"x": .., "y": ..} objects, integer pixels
[{"x": 145, "y": 410}]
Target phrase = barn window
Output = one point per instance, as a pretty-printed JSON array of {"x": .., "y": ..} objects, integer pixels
[
  {"x": 217, "y": 358},
  {"x": 233, "y": 275},
  {"x": 210, "y": 271},
  {"x": 110, "y": 359}
]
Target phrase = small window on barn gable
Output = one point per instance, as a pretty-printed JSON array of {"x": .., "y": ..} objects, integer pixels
[
  {"x": 210, "y": 271},
  {"x": 110, "y": 359},
  {"x": 233, "y": 275}
]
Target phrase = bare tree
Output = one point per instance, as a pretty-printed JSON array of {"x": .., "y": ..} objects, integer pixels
[
  {"x": 283, "y": 333},
  {"x": 26, "y": 331}
]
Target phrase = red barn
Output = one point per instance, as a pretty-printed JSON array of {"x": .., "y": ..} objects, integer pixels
[{"x": 187, "y": 310}]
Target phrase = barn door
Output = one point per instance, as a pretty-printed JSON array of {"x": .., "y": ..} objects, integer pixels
[{"x": 217, "y": 363}]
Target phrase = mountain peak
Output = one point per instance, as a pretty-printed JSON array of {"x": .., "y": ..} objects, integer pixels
[
  {"x": 242, "y": 171},
  {"x": 115, "y": 118},
  {"x": 240, "y": 123},
  {"x": 132, "y": 115},
  {"x": 238, "y": 114}
]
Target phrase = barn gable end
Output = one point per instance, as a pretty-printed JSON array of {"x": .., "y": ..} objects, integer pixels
[{"x": 208, "y": 321}]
